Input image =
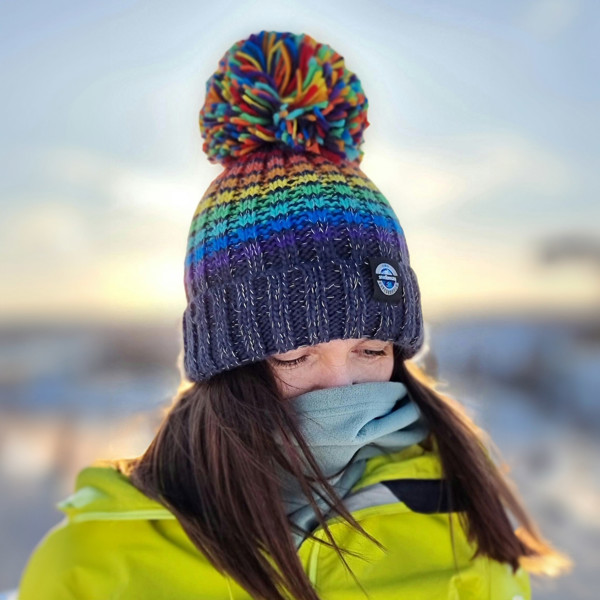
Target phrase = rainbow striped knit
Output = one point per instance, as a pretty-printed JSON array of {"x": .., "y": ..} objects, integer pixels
[{"x": 292, "y": 244}]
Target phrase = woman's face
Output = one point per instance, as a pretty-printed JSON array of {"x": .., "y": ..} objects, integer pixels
[{"x": 332, "y": 364}]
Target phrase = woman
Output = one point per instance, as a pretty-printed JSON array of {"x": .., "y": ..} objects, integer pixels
[{"x": 304, "y": 456}]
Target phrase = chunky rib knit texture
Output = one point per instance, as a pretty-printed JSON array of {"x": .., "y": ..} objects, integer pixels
[{"x": 287, "y": 249}]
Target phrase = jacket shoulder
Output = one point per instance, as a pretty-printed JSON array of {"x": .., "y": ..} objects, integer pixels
[
  {"x": 116, "y": 543},
  {"x": 51, "y": 570}
]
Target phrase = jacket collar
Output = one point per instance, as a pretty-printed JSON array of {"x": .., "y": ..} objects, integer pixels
[{"x": 104, "y": 492}]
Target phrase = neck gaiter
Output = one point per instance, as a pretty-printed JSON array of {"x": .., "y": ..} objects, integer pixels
[{"x": 344, "y": 426}]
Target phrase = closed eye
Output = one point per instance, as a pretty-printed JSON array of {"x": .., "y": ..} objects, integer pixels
[{"x": 297, "y": 361}]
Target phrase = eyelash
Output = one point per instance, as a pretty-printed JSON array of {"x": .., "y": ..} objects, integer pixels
[{"x": 296, "y": 361}]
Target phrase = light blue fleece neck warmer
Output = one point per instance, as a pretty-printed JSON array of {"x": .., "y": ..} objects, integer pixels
[{"x": 349, "y": 423}]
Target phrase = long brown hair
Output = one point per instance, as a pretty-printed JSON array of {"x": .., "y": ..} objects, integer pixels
[{"x": 213, "y": 464}]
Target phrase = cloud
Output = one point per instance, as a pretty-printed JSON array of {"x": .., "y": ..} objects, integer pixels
[
  {"x": 425, "y": 184},
  {"x": 170, "y": 195},
  {"x": 94, "y": 232},
  {"x": 548, "y": 18},
  {"x": 54, "y": 231}
]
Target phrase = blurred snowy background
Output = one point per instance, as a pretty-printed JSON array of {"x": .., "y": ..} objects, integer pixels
[{"x": 483, "y": 136}]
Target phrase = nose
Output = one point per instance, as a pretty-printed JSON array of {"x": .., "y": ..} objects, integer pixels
[{"x": 335, "y": 375}]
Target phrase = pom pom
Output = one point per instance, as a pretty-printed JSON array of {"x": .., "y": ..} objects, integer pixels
[{"x": 283, "y": 89}]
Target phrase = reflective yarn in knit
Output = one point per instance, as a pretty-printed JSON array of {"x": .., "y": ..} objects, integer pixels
[{"x": 290, "y": 249}]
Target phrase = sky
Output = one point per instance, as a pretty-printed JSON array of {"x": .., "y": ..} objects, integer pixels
[{"x": 483, "y": 136}]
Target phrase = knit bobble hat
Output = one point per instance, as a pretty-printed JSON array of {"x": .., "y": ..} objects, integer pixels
[{"x": 292, "y": 244}]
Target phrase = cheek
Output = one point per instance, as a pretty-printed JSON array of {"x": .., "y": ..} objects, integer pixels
[
  {"x": 292, "y": 384},
  {"x": 385, "y": 368}
]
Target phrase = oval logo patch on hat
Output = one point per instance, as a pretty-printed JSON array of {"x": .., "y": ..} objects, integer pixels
[{"x": 386, "y": 279}]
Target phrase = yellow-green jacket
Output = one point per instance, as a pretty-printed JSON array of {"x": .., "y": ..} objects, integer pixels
[{"x": 116, "y": 544}]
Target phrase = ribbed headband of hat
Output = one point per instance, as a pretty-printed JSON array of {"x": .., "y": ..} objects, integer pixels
[{"x": 292, "y": 244}]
